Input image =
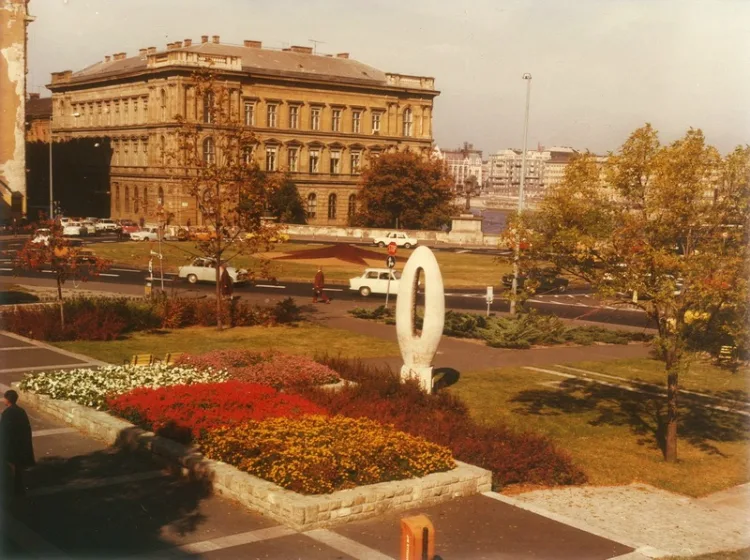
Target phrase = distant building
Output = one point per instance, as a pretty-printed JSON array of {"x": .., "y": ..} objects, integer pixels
[
  {"x": 505, "y": 173},
  {"x": 14, "y": 19},
  {"x": 464, "y": 162},
  {"x": 554, "y": 167},
  {"x": 38, "y": 117}
]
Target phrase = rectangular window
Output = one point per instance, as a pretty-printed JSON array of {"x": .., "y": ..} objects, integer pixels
[
  {"x": 314, "y": 161},
  {"x": 271, "y": 158},
  {"x": 247, "y": 155},
  {"x": 336, "y": 120},
  {"x": 271, "y": 116},
  {"x": 356, "y": 162},
  {"x": 125, "y": 114},
  {"x": 135, "y": 110},
  {"x": 356, "y": 119},
  {"x": 293, "y": 116},
  {"x": 335, "y": 162},
  {"x": 249, "y": 113},
  {"x": 315, "y": 118},
  {"x": 376, "y": 123},
  {"x": 293, "y": 159}
]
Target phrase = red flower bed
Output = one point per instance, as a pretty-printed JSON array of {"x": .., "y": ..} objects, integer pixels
[
  {"x": 185, "y": 412},
  {"x": 443, "y": 419},
  {"x": 274, "y": 369}
]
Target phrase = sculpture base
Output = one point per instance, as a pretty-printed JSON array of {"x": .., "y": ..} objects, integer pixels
[{"x": 422, "y": 374}]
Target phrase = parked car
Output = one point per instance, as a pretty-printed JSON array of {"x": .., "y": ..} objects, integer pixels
[
  {"x": 146, "y": 234},
  {"x": 549, "y": 280},
  {"x": 74, "y": 229},
  {"x": 375, "y": 281},
  {"x": 202, "y": 234},
  {"x": 400, "y": 238},
  {"x": 42, "y": 236},
  {"x": 90, "y": 227},
  {"x": 64, "y": 221},
  {"x": 204, "y": 270},
  {"x": 176, "y": 233},
  {"x": 106, "y": 225},
  {"x": 129, "y": 226}
]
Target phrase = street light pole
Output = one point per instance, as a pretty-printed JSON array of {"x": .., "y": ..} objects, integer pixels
[
  {"x": 517, "y": 251},
  {"x": 51, "y": 198}
]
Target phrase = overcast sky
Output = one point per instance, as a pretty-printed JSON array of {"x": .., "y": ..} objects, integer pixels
[{"x": 600, "y": 68}]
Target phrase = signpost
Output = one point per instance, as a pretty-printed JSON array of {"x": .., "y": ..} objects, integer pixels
[
  {"x": 490, "y": 299},
  {"x": 390, "y": 262},
  {"x": 392, "y": 247}
]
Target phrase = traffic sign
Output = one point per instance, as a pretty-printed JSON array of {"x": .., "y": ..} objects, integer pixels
[
  {"x": 392, "y": 248},
  {"x": 390, "y": 261}
]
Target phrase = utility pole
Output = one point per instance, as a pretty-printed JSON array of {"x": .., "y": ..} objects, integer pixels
[{"x": 517, "y": 253}]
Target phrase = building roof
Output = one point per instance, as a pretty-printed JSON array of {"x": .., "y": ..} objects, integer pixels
[
  {"x": 253, "y": 60},
  {"x": 39, "y": 107}
]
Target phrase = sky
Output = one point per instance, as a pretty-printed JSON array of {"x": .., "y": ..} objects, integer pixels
[{"x": 600, "y": 68}]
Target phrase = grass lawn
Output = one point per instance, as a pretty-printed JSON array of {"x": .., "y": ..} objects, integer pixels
[
  {"x": 702, "y": 376},
  {"x": 306, "y": 339},
  {"x": 459, "y": 269},
  {"x": 614, "y": 434}
]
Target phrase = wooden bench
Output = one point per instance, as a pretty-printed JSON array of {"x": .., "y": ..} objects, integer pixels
[
  {"x": 142, "y": 360},
  {"x": 727, "y": 354},
  {"x": 171, "y": 358}
]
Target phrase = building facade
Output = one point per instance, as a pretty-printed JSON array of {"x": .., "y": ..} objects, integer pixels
[
  {"x": 14, "y": 19},
  {"x": 38, "y": 117},
  {"x": 319, "y": 117},
  {"x": 463, "y": 163}
]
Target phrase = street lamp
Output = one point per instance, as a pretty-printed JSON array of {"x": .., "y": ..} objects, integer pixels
[{"x": 517, "y": 253}]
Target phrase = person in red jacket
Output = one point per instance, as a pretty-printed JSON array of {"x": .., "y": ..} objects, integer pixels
[{"x": 318, "y": 284}]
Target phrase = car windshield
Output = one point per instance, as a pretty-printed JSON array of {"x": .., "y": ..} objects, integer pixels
[{"x": 397, "y": 275}]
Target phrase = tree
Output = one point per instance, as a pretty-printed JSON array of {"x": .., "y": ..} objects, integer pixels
[
  {"x": 286, "y": 205},
  {"x": 63, "y": 257},
  {"x": 664, "y": 227},
  {"x": 405, "y": 190},
  {"x": 214, "y": 163}
]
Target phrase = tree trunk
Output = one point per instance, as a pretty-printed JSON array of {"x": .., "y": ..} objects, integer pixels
[
  {"x": 670, "y": 441},
  {"x": 218, "y": 294},
  {"x": 60, "y": 299}
]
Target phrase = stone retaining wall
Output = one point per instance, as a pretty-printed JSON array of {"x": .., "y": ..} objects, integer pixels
[{"x": 298, "y": 511}]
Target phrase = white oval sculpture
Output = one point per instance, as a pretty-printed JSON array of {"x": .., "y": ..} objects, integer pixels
[{"x": 419, "y": 350}]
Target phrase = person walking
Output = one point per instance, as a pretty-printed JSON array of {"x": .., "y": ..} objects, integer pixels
[
  {"x": 16, "y": 446},
  {"x": 318, "y": 284}
]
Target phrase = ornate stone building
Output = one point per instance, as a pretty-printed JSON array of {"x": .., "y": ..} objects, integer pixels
[
  {"x": 320, "y": 117},
  {"x": 38, "y": 116}
]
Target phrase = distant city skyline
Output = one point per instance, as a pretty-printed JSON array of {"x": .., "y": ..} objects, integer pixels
[{"x": 600, "y": 69}]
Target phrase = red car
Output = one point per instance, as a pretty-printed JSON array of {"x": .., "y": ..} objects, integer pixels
[{"x": 129, "y": 226}]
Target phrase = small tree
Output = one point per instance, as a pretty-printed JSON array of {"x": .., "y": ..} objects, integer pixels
[
  {"x": 66, "y": 260},
  {"x": 214, "y": 163},
  {"x": 405, "y": 190},
  {"x": 286, "y": 205},
  {"x": 664, "y": 223}
]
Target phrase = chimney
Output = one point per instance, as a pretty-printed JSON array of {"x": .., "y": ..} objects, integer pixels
[
  {"x": 151, "y": 50},
  {"x": 287, "y": 49},
  {"x": 204, "y": 38},
  {"x": 170, "y": 46},
  {"x": 342, "y": 55},
  {"x": 253, "y": 44},
  {"x": 187, "y": 42},
  {"x": 107, "y": 58},
  {"x": 303, "y": 50},
  {"x": 215, "y": 39},
  {"x": 178, "y": 44},
  {"x": 119, "y": 56},
  {"x": 142, "y": 52}
]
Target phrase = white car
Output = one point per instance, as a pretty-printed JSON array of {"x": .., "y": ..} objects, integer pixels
[
  {"x": 89, "y": 226},
  {"x": 400, "y": 238},
  {"x": 74, "y": 229},
  {"x": 204, "y": 270},
  {"x": 375, "y": 281},
  {"x": 146, "y": 234},
  {"x": 106, "y": 225},
  {"x": 64, "y": 221},
  {"x": 42, "y": 236}
]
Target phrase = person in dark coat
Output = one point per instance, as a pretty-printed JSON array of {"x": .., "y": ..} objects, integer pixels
[
  {"x": 318, "y": 284},
  {"x": 15, "y": 437},
  {"x": 225, "y": 282}
]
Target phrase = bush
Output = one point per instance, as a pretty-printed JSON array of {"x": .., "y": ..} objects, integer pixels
[
  {"x": 92, "y": 387},
  {"x": 318, "y": 455},
  {"x": 270, "y": 368},
  {"x": 444, "y": 419},
  {"x": 185, "y": 412},
  {"x": 380, "y": 313},
  {"x": 287, "y": 311}
]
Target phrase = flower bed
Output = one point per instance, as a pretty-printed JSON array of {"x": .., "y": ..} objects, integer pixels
[
  {"x": 92, "y": 387},
  {"x": 318, "y": 454},
  {"x": 185, "y": 412},
  {"x": 271, "y": 368}
]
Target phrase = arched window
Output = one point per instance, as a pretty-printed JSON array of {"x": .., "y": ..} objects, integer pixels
[
  {"x": 117, "y": 198},
  {"x": 352, "y": 208},
  {"x": 407, "y": 122},
  {"x": 312, "y": 205},
  {"x": 209, "y": 153},
  {"x": 163, "y": 101},
  {"x": 162, "y": 149},
  {"x": 127, "y": 199},
  {"x": 145, "y": 200},
  {"x": 161, "y": 196},
  {"x": 136, "y": 202},
  {"x": 332, "y": 199},
  {"x": 208, "y": 103}
]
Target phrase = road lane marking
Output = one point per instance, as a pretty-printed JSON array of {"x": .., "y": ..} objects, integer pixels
[
  {"x": 126, "y": 269},
  {"x": 333, "y": 289},
  {"x": 52, "y": 432},
  {"x": 94, "y": 483},
  {"x": 6, "y": 269},
  {"x": 346, "y": 545},
  {"x": 270, "y": 286},
  {"x": 16, "y": 348},
  {"x": 111, "y": 275},
  {"x": 220, "y": 543}
]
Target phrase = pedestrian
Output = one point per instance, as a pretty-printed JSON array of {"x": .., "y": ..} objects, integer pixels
[
  {"x": 226, "y": 285},
  {"x": 15, "y": 438},
  {"x": 318, "y": 284}
]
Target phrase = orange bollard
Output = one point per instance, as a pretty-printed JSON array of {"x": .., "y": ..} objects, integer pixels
[{"x": 417, "y": 538}]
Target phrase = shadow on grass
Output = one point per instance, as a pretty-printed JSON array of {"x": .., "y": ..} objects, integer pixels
[
  {"x": 110, "y": 521},
  {"x": 13, "y": 297},
  {"x": 643, "y": 414}
]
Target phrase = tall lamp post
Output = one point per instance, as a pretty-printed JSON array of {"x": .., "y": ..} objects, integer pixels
[{"x": 517, "y": 251}]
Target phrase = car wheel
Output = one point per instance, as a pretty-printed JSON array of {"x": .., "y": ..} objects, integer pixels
[
  {"x": 381, "y": 244},
  {"x": 562, "y": 287},
  {"x": 364, "y": 291},
  {"x": 192, "y": 278},
  {"x": 407, "y": 245}
]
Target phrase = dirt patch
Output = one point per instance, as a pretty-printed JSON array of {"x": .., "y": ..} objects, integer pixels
[{"x": 329, "y": 255}]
